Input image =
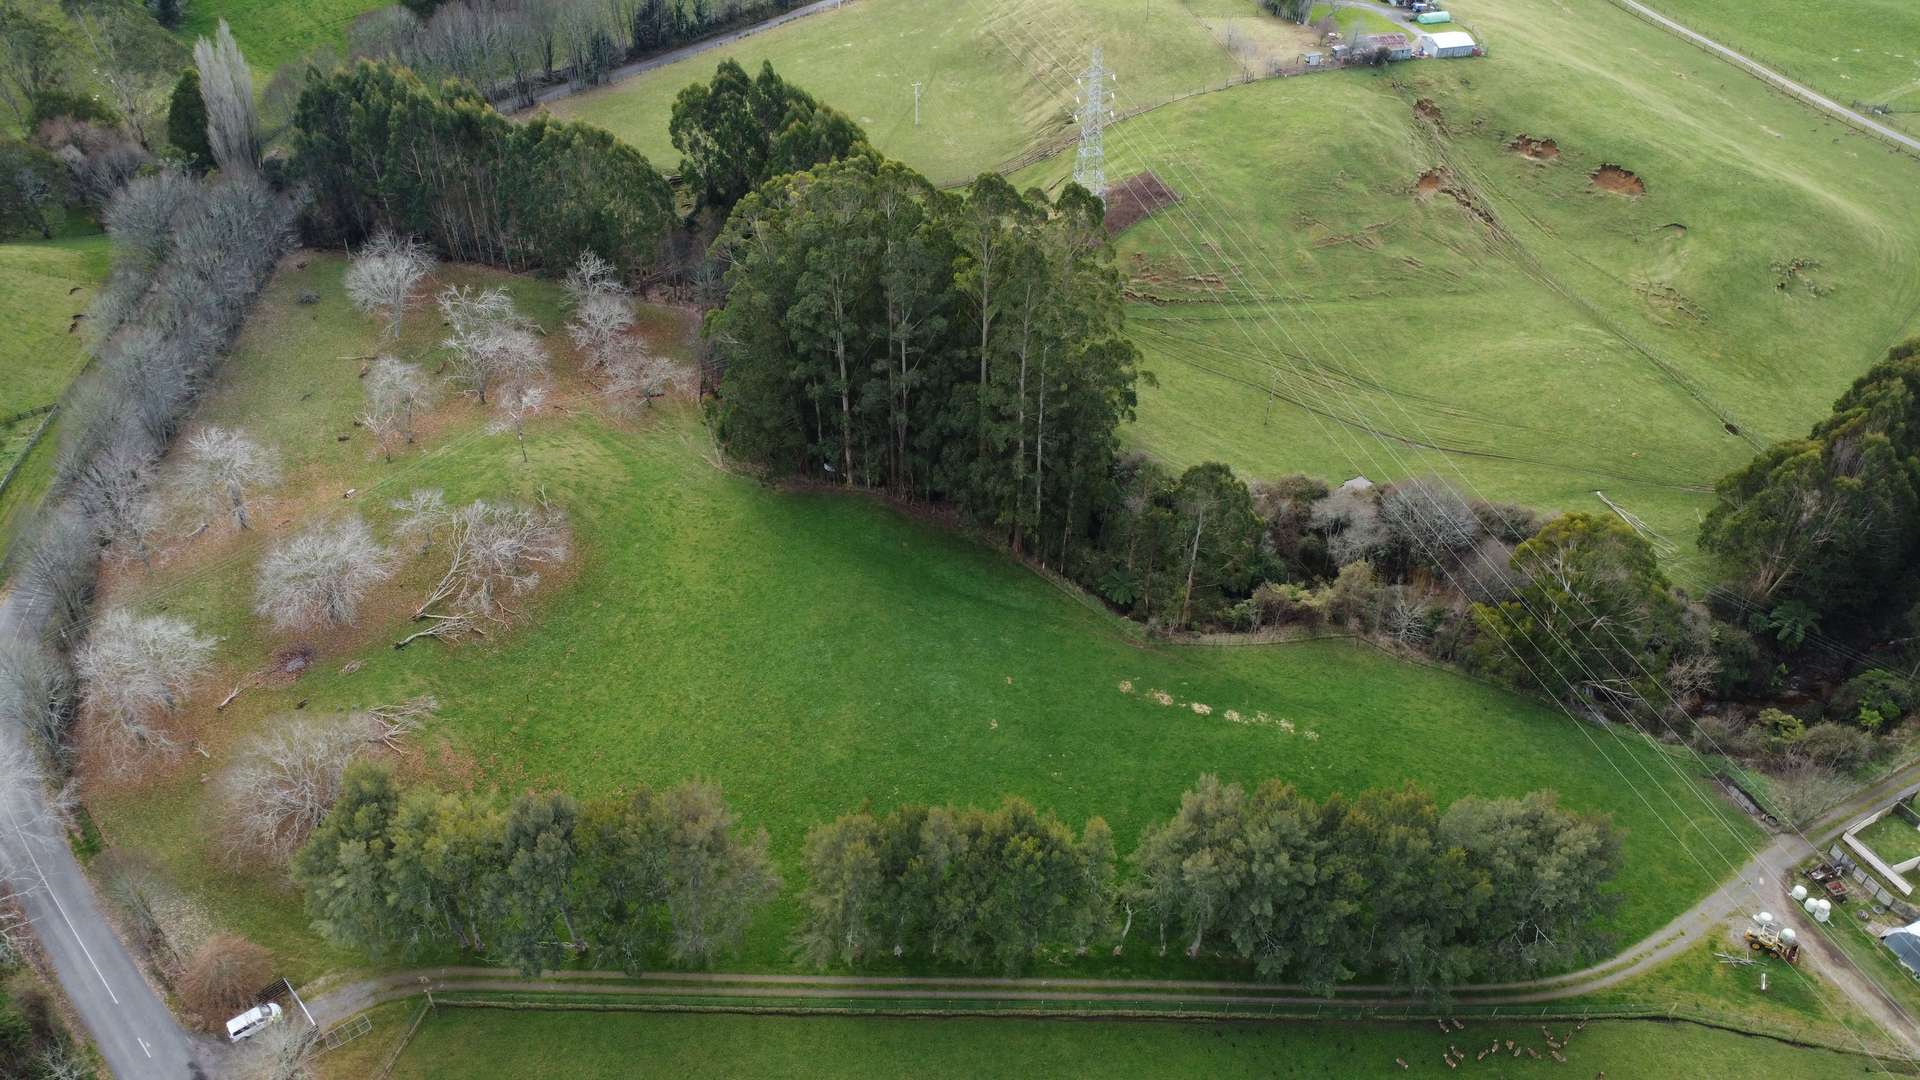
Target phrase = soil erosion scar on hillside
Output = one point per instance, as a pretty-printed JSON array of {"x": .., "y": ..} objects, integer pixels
[
  {"x": 1535, "y": 149},
  {"x": 1134, "y": 198},
  {"x": 1617, "y": 180}
]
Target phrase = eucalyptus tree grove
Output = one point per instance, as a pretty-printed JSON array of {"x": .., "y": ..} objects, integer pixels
[
  {"x": 382, "y": 149},
  {"x": 668, "y": 873},
  {"x": 954, "y": 348},
  {"x": 1382, "y": 884}
]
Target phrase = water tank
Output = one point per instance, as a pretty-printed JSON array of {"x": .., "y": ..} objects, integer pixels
[{"x": 1799, "y": 893}]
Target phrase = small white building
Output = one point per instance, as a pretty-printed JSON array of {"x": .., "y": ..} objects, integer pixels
[{"x": 1447, "y": 44}]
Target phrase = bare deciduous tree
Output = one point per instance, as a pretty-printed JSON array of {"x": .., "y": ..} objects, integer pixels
[
  {"x": 227, "y": 468},
  {"x": 36, "y": 692},
  {"x": 491, "y": 342},
  {"x": 514, "y": 405},
  {"x": 496, "y": 550},
  {"x": 134, "y": 88},
  {"x": 634, "y": 377},
  {"x": 602, "y": 308},
  {"x": 115, "y": 490},
  {"x": 396, "y": 391},
  {"x": 59, "y": 574},
  {"x": 1429, "y": 517},
  {"x": 381, "y": 278},
  {"x": 135, "y": 669},
  {"x": 320, "y": 576},
  {"x": 285, "y": 781},
  {"x": 226, "y": 84}
]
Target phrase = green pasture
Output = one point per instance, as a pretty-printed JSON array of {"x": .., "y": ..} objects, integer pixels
[
  {"x": 810, "y": 651},
  {"x": 1309, "y": 305},
  {"x": 43, "y": 285},
  {"x": 1356, "y": 21},
  {"x": 1892, "y": 838},
  {"x": 272, "y": 32},
  {"x": 982, "y": 101},
  {"x": 1860, "y": 53},
  {"x": 459, "y": 1043}
]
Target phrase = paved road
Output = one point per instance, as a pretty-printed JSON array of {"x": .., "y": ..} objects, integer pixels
[
  {"x": 128, "y": 1022},
  {"x": 639, "y": 67},
  {"x": 1800, "y": 90}
]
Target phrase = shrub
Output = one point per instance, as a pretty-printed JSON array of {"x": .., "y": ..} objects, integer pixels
[
  {"x": 1837, "y": 746},
  {"x": 1279, "y": 603},
  {"x": 1883, "y": 694},
  {"x": 222, "y": 977}
]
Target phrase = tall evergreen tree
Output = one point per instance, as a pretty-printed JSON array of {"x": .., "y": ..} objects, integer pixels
[
  {"x": 187, "y": 120},
  {"x": 343, "y": 864}
]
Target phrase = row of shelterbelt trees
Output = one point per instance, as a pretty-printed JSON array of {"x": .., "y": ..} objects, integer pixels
[
  {"x": 379, "y": 148},
  {"x": 510, "y": 48},
  {"x": 1384, "y": 884}
]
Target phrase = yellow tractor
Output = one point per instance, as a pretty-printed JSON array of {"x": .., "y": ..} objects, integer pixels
[{"x": 1774, "y": 941}]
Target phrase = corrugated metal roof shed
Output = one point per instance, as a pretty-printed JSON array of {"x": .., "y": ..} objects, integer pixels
[{"x": 1447, "y": 39}]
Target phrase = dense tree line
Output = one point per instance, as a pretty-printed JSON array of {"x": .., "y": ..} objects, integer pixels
[
  {"x": 188, "y": 259},
  {"x": 958, "y": 349},
  {"x": 1384, "y": 884},
  {"x": 1321, "y": 892},
  {"x": 1831, "y": 523},
  {"x": 737, "y": 133},
  {"x": 956, "y": 884},
  {"x": 509, "y": 48},
  {"x": 537, "y": 880},
  {"x": 380, "y": 149}
]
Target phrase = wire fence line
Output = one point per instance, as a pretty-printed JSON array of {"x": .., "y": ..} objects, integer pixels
[{"x": 1122, "y": 1008}]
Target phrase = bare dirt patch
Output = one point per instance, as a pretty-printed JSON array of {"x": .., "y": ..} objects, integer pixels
[
  {"x": 1534, "y": 149},
  {"x": 1430, "y": 183},
  {"x": 1131, "y": 200},
  {"x": 1426, "y": 110},
  {"x": 1617, "y": 180}
]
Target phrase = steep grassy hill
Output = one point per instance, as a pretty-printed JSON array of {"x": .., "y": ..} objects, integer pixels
[
  {"x": 982, "y": 102},
  {"x": 1366, "y": 266}
]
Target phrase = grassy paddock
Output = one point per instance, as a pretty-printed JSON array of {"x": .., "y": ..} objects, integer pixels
[
  {"x": 1892, "y": 838},
  {"x": 1552, "y": 337},
  {"x": 980, "y": 103},
  {"x": 1865, "y": 51},
  {"x": 809, "y": 651},
  {"x": 472, "y": 1042},
  {"x": 43, "y": 284},
  {"x": 273, "y": 32}
]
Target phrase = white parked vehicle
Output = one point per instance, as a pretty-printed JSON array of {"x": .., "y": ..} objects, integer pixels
[{"x": 252, "y": 1021}]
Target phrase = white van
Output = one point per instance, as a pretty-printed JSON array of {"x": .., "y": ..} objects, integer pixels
[{"x": 250, "y": 1022}]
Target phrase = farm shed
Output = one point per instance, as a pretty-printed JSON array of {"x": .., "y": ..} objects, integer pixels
[
  {"x": 1447, "y": 43},
  {"x": 1397, "y": 45},
  {"x": 1905, "y": 944}
]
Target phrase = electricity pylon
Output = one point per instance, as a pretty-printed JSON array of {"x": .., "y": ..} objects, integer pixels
[{"x": 1096, "y": 108}]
